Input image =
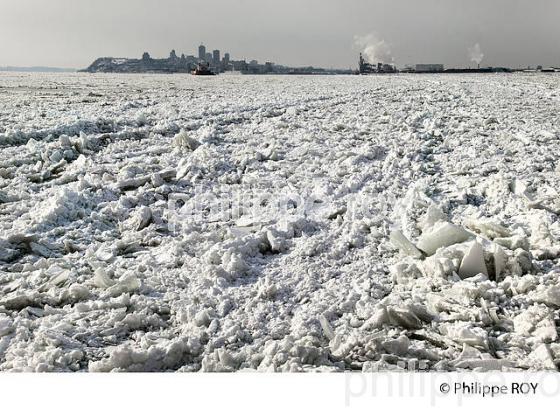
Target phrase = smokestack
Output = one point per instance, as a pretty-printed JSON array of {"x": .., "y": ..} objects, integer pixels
[{"x": 476, "y": 55}]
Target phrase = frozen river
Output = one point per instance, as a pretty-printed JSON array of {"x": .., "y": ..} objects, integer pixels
[{"x": 179, "y": 223}]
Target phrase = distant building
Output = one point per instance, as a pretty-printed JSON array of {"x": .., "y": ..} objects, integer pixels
[
  {"x": 187, "y": 63},
  {"x": 381, "y": 68},
  {"x": 202, "y": 52},
  {"x": 240, "y": 65},
  {"x": 429, "y": 68},
  {"x": 216, "y": 58}
]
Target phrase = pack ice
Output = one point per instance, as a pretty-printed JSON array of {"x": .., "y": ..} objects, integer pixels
[{"x": 301, "y": 224}]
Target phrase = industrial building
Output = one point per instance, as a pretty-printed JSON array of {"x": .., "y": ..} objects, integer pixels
[
  {"x": 379, "y": 68},
  {"x": 429, "y": 68}
]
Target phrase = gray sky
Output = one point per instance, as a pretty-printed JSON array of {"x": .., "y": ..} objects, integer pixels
[{"x": 72, "y": 33}]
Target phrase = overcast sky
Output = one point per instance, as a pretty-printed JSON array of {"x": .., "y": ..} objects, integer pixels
[{"x": 72, "y": 33}]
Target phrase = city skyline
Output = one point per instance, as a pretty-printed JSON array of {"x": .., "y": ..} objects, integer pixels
[{"x": 62, "y": 33}]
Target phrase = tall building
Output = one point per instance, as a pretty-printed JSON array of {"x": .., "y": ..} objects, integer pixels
[
  {"x": 226, "y": 59},
  {"x": 202, "y": 52},
  {"x": 216, "y": 58},
  {"x": 208, "y": 57}
]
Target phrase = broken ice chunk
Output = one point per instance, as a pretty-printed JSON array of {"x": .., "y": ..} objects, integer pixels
[
  {"x": 64, "y": 141},
  {"x": 101, "y": 279},
  {"x": 433, "y": 214},
  {"x": 488, "y": 228},
  {"x": 234, "y": 264},
  {"x": 550, "y": 296},
  {"x": 132, "y": 183},
  {"x": 4, "y": 198},
  {"x": 401, "y": 242},
  {"x": 128, "y": 283},
  {"x": 403, "y": 317},
  {"x": 398, "y": 346},
  {"x": 7, "y": 254},
  {"x": 183, "y": 140},
  {"x": 514, "y": 242},
  {"x": 500, "y": 261},
  {"x": 59, "y": 278},
  {"x": 140, "y": 219},
  {"x": 473, "y": 262},
  {"x": 440, "y": 235},
  {"x": 542, "y": 359},
  {"x": 327, "y": 330},
  {"x": 40, "y": 250},
  {"x": 377, "y": 319},
  {"x": 105, "y": 253},
  {"x": 6, "y": 325},
  {"x": 523, "y": 260},
  {"x": 203, "y": 318},
  {"x": 538, "y": 322},
  {"x": 404, "y": 272},
  {"x": 466, "y": 333},
  {"x": 78, "y": 292},
  {"x": 440, "y": 267},
  {"x": 276, "y": 240},
  {"x": 486, "y": 362}
]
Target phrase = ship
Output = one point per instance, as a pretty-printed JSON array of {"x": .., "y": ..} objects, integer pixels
[{"x": 202, "y": 69}]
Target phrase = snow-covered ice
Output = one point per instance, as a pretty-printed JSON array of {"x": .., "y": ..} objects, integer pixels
[{"x": 179, "y": 223}]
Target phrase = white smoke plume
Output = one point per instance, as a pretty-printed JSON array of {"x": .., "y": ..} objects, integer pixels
[
  {"x": 476, "y": 54},
  {"x": 373, "y": 49}
]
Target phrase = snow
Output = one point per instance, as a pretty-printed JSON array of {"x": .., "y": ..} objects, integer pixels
[{"x": 176, "y": 223}]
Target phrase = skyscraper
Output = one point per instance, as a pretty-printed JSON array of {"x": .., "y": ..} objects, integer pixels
[
  {"x": 202, "y": 52},
  {"x": 216, "y": 58}
]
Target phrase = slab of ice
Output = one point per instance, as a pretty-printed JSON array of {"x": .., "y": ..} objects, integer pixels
[
  {"x": 466, "y": 333},
  {"x": 473, "y": 262},
  {"x": 433, "y": 215},
  {"x": 401, "y": 242},
  {"x": 440, "y": 235}
]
